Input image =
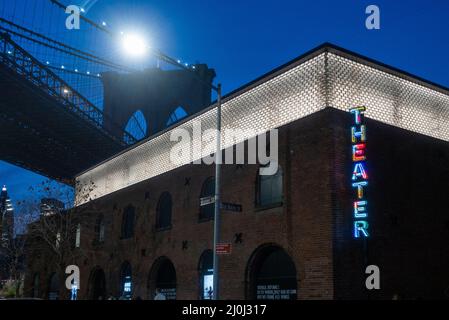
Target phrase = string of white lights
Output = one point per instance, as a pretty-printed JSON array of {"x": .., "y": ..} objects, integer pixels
[{"x": 111, "y": 31}]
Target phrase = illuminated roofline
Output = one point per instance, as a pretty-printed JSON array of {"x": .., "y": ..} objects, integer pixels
[
  {"x": 323, "y": 48},
  {"x": 325, "y": 77},
  {"x": 339, "y": 51}
]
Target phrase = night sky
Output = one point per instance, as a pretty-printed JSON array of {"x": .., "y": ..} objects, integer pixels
[{"x": 242, "y": 39}]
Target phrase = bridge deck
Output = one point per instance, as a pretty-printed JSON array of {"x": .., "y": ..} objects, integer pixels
[{"x": 43, "y": 131}]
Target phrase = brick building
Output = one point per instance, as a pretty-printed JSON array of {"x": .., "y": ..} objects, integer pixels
[{"x": 307, "y": 232}]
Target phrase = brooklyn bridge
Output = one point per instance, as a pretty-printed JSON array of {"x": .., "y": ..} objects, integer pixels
[{"x": 67, "y": 99}]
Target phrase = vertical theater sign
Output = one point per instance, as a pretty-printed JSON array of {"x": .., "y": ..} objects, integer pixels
[{"x": 359, "y": 173}]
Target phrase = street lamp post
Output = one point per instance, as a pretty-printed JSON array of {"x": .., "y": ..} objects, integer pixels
[
  {"x": 217, "y": 202},
  {"x": 217, "y": 197},
  {"x": 136, "y": 45}
]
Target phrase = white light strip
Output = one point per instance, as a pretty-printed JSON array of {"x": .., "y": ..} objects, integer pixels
[{"x": 282, "y": 99}]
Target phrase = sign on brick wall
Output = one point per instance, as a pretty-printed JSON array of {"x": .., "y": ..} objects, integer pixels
[
  {"x": 223, "y": 248},
  {"x": 359, "y": 173}
]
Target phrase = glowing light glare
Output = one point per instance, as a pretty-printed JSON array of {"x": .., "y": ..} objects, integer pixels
[
  {"x": 361, "y": 228},
  {"x": 360, "y": 134},
  {"x": 359, "y": 172},
  {"x": 358, "y": 152},
  {"x": 358, "y": 112},
  {"x": 359, "y": 185},
  {"x": 360, "y": 209},
  {"x": 134, "y": 44}
]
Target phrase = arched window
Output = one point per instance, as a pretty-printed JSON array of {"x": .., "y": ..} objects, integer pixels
[
  {"x": 269, "y": 189},
  {"x": 58, "y": 240},
  {"x": 128, "y": 222},
  {"x": 126, "y": 287},
  {"x": 163, "y": 214},
  {"x": 206, "y": 269},
  {"x": 99, "y": 229},
  {"x": 53, "y": 287},
  {"x": 207, "y": 204},
  {"x": 272, "y": 274},
  {"x": 137, "y": 126},
  {"x": 162, "y": 279},
  {"x": 36, "y": 284},
  {"x": 176, "y": 115},
  {"x": 78, "y": 236},
  {"x": 97, "y": 284}
]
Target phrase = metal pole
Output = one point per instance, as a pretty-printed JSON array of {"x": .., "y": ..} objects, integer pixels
[{"x": 217, "y": 196}]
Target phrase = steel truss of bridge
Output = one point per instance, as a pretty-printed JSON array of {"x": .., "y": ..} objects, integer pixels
[{"x": 45, "y": 125}]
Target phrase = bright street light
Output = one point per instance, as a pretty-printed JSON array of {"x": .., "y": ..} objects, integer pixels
[{"x": 134, "y": 44}]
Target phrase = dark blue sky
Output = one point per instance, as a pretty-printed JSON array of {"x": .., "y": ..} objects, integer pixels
[{"x": 243, "y": 39}]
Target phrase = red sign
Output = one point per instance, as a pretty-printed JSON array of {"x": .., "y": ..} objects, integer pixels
[{"x": 223, "y": 248}]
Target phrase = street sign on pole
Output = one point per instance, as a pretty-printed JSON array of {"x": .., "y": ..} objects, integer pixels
[
  {"x": 216, "y": 259},
  {"x": 231, "y": 207},
  {"x": 207, "y": 200},
  {"x": 223, "y": 248}
]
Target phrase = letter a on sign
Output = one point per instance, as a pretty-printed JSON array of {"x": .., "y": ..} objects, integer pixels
[{"x": 359, "y": 172}]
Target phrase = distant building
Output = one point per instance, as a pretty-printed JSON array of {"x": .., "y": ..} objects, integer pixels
[
  {"x": 7, "y": 217},
  {"x": 6, "y": 231}
]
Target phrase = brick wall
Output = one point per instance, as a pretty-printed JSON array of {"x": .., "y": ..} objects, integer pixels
[
  {"x": 409, "y": 176},
  {"x": 408, "y": 181}
]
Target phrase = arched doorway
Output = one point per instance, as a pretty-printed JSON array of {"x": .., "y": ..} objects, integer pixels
[
  {"x": 271, "y": 274},
  {"x": 126, "y": 288},
  {"x": 97, "y": 285},
  {"x": 206, "y": 268},
  {"x": 164, "y": 211},
  {"x": 128, "y": 222},
  {"x": 53, "y": 287},
  {"x": 36, "y": 284},
  {"x": 163, "y": 279}
]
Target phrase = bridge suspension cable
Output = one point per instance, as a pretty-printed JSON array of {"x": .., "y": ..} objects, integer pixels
[{"x": 76, "y": 52}]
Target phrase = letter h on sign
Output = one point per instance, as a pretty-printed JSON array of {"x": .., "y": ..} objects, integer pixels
[{"x": 359, "y": 173}]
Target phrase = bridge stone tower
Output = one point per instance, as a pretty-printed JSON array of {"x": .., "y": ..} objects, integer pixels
[{"x": 156, "y": 93}]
